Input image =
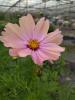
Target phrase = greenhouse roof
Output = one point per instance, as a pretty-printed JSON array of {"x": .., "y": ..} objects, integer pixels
[{"x": 6, "y": 5}]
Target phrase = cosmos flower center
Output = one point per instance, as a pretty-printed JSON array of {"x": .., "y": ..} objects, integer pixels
[{"x": 33, "y": 44}]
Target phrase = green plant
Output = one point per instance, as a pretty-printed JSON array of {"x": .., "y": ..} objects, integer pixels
[
  {"x": 2, "y": 27},
  {"x": 51, "y": 28},
  {"x": 21, "y": 79},
  {"x": 2, "y": 15}
]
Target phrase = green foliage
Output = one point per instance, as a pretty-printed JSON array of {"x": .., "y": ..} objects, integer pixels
[
  {"x": 51, "y": 28},
  {"x": 21, "y": 79},
  {"x": 2, "y": 26},
  {"x": 2, "y": 16},
  {"x": 13, "y": 17}
]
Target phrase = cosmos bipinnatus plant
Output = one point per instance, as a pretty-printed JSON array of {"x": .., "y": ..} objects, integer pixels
[
  {"x": 30, "y": 39},
  {"x": 31, "y": 78}
]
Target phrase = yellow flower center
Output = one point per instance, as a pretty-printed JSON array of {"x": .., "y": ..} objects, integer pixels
[{"x": 33, "y": 44}]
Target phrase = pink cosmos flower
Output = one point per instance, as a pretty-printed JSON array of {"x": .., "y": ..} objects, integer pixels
[{"x": 30, "y": 39}]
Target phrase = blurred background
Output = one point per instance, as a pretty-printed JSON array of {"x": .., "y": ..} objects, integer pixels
[{"x": 61, "y": 14}]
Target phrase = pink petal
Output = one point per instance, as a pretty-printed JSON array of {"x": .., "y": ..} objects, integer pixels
[
  {"x": 13, "y": 52},
  {"x": 52, "y": 47},
  {"x": 27, "y": 24},
  {"x": 12, "y": 41},
  {"x": 45, "y": 27},
  {"x": 52, "y": 55},
  {"x": 16, "y": 30},
  {"x": 54, "y": 37},
  {"x": 41, "y": 29},
  {"x": 39, "y": 25},
  {"x": 35, "y": 57},
  {"x": 42, "y": 26},
  {"x": 24, "y": 52},
  {"x": 52, "y": 50},
  {"x": 11, "y": 36},
  {"x": 39, "y": 56},
  {"x": 13, "y": 29}
]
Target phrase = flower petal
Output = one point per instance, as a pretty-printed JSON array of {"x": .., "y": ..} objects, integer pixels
[
  {"x": 45, "y": 27},
  {"x": 52, "y": 47},
  {"x": 42, "y": 26},
  {"x": 39, "y": 25},
  {"x": 52, "y": 50},
  {"x": 27, "y": 23},
  {"x": 41, "y": 29},
  {"x": 51, "y": 54},
  {"x": 24, "y": 52},
  {"x": 39, "y": 56},
  {"x": 12, "y": 41},
  {"x": 54, "y": 37},
  {"x": 35, "y": 57},
  {"x": 13, "y": 52},
  {"x": 12, "y": 37},
  {"x": 13, "y": 29}
]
